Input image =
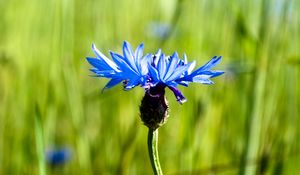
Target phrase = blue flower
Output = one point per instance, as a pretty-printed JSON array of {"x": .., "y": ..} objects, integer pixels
[
  {"x": 152, "y": 72},
  {"x": 159, "y": 30},
  {"x": 58, "y": 156}
]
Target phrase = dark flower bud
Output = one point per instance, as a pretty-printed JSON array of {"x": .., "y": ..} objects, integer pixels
[{"x": 154, "y": 108}]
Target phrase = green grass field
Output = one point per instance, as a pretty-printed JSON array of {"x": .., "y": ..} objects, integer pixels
[{"x": 247, "y": 123}]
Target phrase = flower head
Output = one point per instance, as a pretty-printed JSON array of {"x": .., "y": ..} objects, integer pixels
[
  {"x": 58, "y": 156},
  {"x": 151, "y": 71},
  {"x": 158, "y": 30}
]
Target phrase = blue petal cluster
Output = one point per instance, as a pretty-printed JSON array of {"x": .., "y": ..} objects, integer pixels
[{"x": 134, "y": 69}]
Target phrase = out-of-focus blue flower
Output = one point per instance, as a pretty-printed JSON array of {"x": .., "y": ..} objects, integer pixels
[
  {"x": 158, "y": 30},
  {"x": 58, "y": 156},
  {"x": 151, "y": 70}
]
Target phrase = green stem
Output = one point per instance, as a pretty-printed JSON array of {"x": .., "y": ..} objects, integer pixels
[{"x": 153, "y": 153}]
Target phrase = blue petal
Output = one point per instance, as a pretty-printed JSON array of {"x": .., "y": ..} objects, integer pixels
[
  {"x": 183, "y": 83},
  {"x": 128, "y": 55},
  {"x": 204, "y": 79},
  {"x": 156, "y": 58},
  {"x": 179, "y": 96},
  {"x": 107, "y": 62},
  {"x": 178, "y": 72},
  {"x": 190, "y": 69},
  {"x": 185, "y": 58},
  {"x": 97, "y": 63},
  {"x": 126, "y": 69},
  {"x": 132, "y": 83},
  {"x": 161, "y": 66},
  {"x": 112, "y": 83},
  {"x": 213, "y": 62},
  {"x": 212, "y": 73},
  {"x": 172, "y": 65},
  {"x": 217, "y": 73},
  {"x": 103, "y": 73},
  {"x": 144, "y": 63},
  {"x": 139, "y": 51},
  {"x": 153, "y": 74},
  {"x": 138, "y": 56}
]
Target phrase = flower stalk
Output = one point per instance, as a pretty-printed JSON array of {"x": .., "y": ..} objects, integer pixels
[{"x": 153, "y": 151}]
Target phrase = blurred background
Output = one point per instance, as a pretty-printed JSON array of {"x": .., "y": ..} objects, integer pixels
[{"x": 55, "y": 120}]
